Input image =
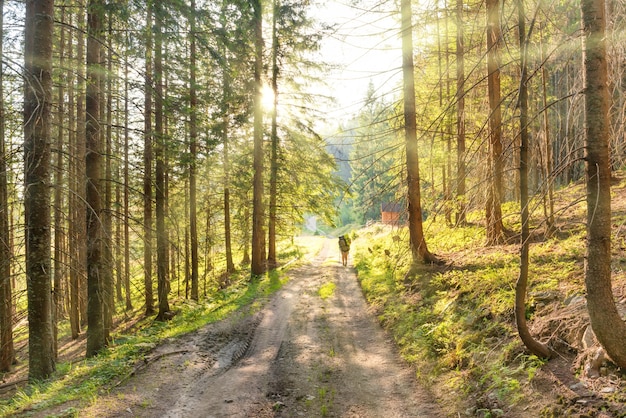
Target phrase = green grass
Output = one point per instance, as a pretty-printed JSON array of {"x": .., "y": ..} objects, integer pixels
[
  {"x": 327, "y": 290},
  {"x": 456, "y": 323}
]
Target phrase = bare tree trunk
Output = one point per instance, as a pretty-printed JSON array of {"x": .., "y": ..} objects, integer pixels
[
  {"x": 59, "y": 233},
  {"x": 443, "y": 114},
  {"x": 495, "y": 229},
  {"x": 230, "y": 265},
  {"x": 160, "y": 174},
  {"x": 193, "y": 150},
  {"x": 245, "y": 224},
  {"x": 419, "y": 250},
  {"x": 7, "y": 354},
  {"x": 460, "y": 112},
  {"x": 147, "y": 161},
  {"x": 533, "y": 345},
  {"x": 107, "y": 215},
  {"x": 119, "y": 208},
  {"x": 96, "y": 338},
  {"x": 447, "y": 183},
  {"x": 207, "y": 249},
  {"x": 77, "y": 191},
  {"x": 81, "y": 178},
  {"x": 119, "y": 276},
  {"x": 258, "y": 266},
  {"x": 38, "y": 37},
  {"x": 271, "y": 252},
  {"x": 548, "y": 165},
  {"x": 606, "y": 322},
  {"x": 127, "y": 293},
  {"x": 187, "y": 256}
]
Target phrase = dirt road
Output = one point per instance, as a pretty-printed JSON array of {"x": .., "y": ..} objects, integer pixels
[{"x": 302, "y": 355}]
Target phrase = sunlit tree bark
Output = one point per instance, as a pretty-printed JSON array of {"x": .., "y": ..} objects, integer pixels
[
  {"x": 6, "y": 292},
  {"x": 38, "y": 37},
  {"x": 606, "y": 321},
  {"x": 193, "y": 151},
  {"x": 77, "y": 225},
  {"x": 59, "y": 230},
  {"x": 460, "y": 115},
  {"x": 258, "y": 265},
  {"x": 230, "y": 265},
  {"x": 147, "y": 167},
  {"x": 271, "y": 238},
  {"x": 419, "y": 250},
  {"x": 160, "y": 167},
  {"x": 226, "y": 94},
  {"x": 127, "y": 291},
  {"x": 495, "y": 229},
  {"x": 521, "y": 286},
  {"x": 548, "y": 165},
  {"x": 107, "y": 215}
]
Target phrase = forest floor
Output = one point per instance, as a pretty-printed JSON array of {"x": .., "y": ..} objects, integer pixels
[{"x": 313, "y": 349}]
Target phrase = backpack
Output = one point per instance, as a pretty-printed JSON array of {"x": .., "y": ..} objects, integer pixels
[{"x": 343, "y": 244}]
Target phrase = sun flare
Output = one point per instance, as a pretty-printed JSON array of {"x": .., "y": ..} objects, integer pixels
[{"x": 267, "y": 98}]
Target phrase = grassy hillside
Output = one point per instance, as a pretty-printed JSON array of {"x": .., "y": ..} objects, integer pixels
[{"x": 455, "y": 323}]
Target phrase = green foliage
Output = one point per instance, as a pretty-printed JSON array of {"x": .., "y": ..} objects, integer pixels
[
  {"x": 327, "y": 290},
  {"x": 374, "y": 153},
  {"x": 456, "y": 324}
]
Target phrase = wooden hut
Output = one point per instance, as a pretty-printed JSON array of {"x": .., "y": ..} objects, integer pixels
[{"x": 390, "y": 213}]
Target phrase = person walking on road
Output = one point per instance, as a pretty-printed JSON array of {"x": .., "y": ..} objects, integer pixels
[{"x": 344, "y": 247}]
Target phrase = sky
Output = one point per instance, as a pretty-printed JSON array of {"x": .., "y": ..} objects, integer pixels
[{"x": 365, "y": 47}]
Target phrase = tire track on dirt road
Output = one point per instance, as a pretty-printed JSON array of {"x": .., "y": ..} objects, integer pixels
[{"x": 302, "y": 355}]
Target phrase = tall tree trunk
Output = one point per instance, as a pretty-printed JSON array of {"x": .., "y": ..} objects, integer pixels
[
  {"x": 245, "y": 228},
  {"x": 449, "y": 123},
  {"x": 258, "y": 237},
  {"x": 533, "y": 345},
  {"x": 207, "y": 249},
  {"x": 37, "y": 103},
  {"x": 548, "y": 164},
  {"x": 606, "y": 322},
  {"x": 147, "y": 162},
  {"x": 119, "y": 245},
  {"x": 160, "y": 174},
  {"x": 107, "y": 215},
  {"x": 59, "y": 233},
  {"x": 80, "y": 212},
  {"x": 96, "y": 338},
  {"x": 187, "y": 252},
  {"x": 77, "y": 188},
  {"x": 443, "y": 113},
  {"x": 419, "y": 250},
  {"x": 495, "y": 229},
  {"x": 7, "y": 354},
  {"x": 170, "y": 260},
  {"x": 460, "y": 115},
  {"x": 119, "y": 188},
  {"x": 127, "y": 293},
  {"x": 193, "y": 151},
  {"x": 271, "y": 251},
  {"x": 230, "y": 265}
]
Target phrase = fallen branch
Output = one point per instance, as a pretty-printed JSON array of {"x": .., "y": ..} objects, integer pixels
[{"x": 12, "y": 385}]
